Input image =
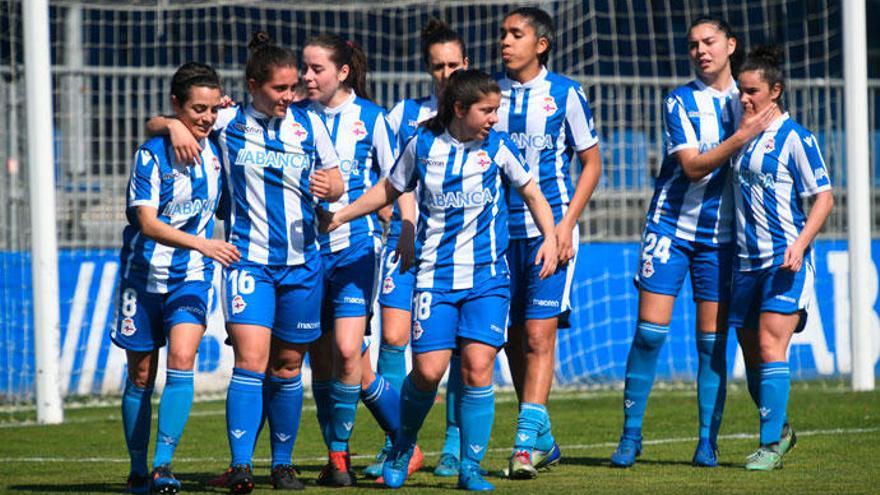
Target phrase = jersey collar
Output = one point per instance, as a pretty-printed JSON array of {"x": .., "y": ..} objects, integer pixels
[
  {"x": 777, "y": 123},
  {"x": 253, "y": 112},
  {"x": 532, "y": 82},
  {"x": 337, "y": 109},
  {"x": 727, "y": 93}
]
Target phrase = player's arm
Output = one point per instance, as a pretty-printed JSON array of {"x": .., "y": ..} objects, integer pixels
[
  {"x": 186, "y": 147},
  {"x": 794, "y": 255},
  {"x": 161, "y": 232},
  {"x": 327, "y": 184},
  {"x": 697, "y": 165},
  {"x": 376, "y": 197},
  {"x": 591, "y": 171},
  {"x": 406, "y": 242},
  {"x": 543, "y": 216},
  {"x": 326, "y": 181}
]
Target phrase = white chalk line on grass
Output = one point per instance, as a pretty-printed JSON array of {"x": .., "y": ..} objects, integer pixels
[{"x": 564, "y": 448}]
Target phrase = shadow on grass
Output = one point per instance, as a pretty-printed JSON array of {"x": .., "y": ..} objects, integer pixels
[{"x": 605, "y": 462}]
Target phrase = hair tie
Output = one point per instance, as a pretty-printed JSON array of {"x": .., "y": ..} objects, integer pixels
[{"x": 349, "y": 43}]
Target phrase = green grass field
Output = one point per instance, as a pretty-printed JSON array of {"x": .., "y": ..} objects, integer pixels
[{"x": 839, "y": 435}]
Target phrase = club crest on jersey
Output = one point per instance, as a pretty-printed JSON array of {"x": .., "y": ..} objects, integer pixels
[
  {"x": 359, "y": 129},
  {"x": 216, "y": 163},
  {"x": 298, "y": 132},
  {"x": 238, "y": 304},
  {"x": 769, "y": 145},
  {"x": 388, "y": 285},
  {"x": 417, "y": 330},
  {"x": 128, "y": 327},
  {"x": 648, "y": 269},
  {"x": 483, "y": 160},
  {"x": 549, "y": 106}
]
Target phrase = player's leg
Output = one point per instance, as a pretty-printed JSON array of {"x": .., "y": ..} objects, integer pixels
[{"x": 321, "y": 364}]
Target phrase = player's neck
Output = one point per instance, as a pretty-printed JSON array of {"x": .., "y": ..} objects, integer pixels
[
  {"x": 719, "y": 82},
  {"x": 526, "y": 73},
  {"x": 339, "y": 97},
  {"x": 457, "y": 131}
]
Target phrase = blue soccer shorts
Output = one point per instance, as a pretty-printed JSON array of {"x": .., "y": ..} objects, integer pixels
[
  {"x": 350, "y": 279},
  {"x": 395, "y": 288},
  {"x": 771, "y": 290},
  {"x": 145, "y": 318}
]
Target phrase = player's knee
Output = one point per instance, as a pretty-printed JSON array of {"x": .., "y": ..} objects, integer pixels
[
  {"x": 181, "y": 359},
  {"x": 540, "y": 344},
  {"x": 395, "y": 338},
  {"x": 427, "y": 376},
  {"x": 650, "y": 335},
  {"x": 141, "y": 377}
]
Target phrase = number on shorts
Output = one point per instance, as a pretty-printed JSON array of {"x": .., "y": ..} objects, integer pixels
[
  {"x": 129, "y": 302},
  {"x": 391, "y": 262},
  {"x": 241, "y": 282},
  {"x": 656, "y": 247},
  {"x": 423, "y": 306}
]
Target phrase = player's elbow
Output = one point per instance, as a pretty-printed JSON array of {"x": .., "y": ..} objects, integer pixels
[{"x": 693, "y": 173}]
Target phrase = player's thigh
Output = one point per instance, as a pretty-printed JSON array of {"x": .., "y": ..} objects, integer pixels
[
  {"x": 435, "y": 320},
  {"x": 299, "y": 292},
  {"x": 249, "y": 295},
  {"x": 396, "y": 324},
  {"x": 484, "y": 313},
  {"x": 139, "y": 324},
  {"x": 429, "y": 368}
]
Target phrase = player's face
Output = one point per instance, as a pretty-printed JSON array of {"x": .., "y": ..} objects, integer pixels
[
  {"x": 755, "y": 93},
  {"x": 199, "y": 111},
  {"x": 520, "y": 45},
  {"x": 710, "y": 49},
  {"x": 275, "y": 95},
  {"x": 477, "y": 121},
  {"x": 443, "y": 60},
  {"x": 323, "y": 79}
]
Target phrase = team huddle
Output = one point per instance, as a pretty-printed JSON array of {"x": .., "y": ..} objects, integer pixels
[{"x": 457, "y": 213}]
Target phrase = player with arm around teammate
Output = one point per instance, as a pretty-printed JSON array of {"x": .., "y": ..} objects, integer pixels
[
  {"x": 773, "y": 269},
  {"x": 167, "y": 265},
  {"x": 461, "y": 168},
  {"x": 280, "y": 159},
  {"x": 443, "y": 51},
  {"x": 689, "y": 228},
  {"x": 549, "y": 119}
]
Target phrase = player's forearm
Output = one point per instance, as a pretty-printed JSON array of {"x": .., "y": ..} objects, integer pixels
[
  {"x": 165, "y": 234},
  {"x": 816, "y": 218},
  {"x": 160, "y": 125},
  {"x": 376, "y": 197},
  {"x": 539, "y": 208},
  {"x": 591, "y": 161},
  {"x": 407, "y": 204},
  {"x": 697, "y": 165}
]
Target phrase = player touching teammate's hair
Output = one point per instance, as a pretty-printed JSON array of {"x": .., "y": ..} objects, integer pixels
[
  {"x": 549, "y": 118},
  {"x": 167, "y": 264},
  {"x": 462, "y": 289},
  {"x": 773, "y": 269}
]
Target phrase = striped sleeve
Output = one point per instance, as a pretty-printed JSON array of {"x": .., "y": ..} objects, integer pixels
[
  {"x": 807, "y": 165},
  {"x": 384, "y": 144},
  {"x": 402, "y": 175},
  {"x": 680, "y": 132},
  {"x": 511, "y": 163},
  {"x": 145, "y": 182},
  {"x": 395, "y": 116},
  {"x": 326, "y": 154},
  {"x": 224, "y": 117},
  {"x": 580, "y": 129}
]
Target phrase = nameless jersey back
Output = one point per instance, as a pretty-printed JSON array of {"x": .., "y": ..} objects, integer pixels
[
  {"x": 366, "y": 148},
  {"x": 270, "y": 160},
  {"x": 773, "y": 173},
  {"x": 186, "y": 198},
  {"x": 698, "y": 117},
  {"x": 404, "y": 119},
  {"x": 549, "y": 120},
  {"x": 462, "y": 235}
]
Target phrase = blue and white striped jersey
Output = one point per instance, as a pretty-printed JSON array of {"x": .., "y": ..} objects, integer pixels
[
  {"x": 269, "y": 161},
  {"x": 772, "y": 174},
  {"x": 185, "y": 197},
  {"x": 404, "y": 119},
  {"x": 366, "y": 148},
  {"x": 696, "y": 116},
  {"x": 549, "y": 119},
  {"x": 462, "y": 235}
]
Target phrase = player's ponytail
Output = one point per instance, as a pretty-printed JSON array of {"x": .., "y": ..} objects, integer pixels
[
  {"x": 192, "y": 74},
  {"x": 465, "y": 87},
  {"x": 265, "y": 56},
  {"x": 767, "y": 59},
  {"x": 343, "y": 52},
  {"x": 543, "y": 25},
  {"x": 736, "y": 59},
  {"x": 436, "y": 32}
]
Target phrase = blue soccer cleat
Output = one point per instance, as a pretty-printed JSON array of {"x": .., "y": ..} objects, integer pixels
[
  {"x": 164, "y": 482},
  {"x": 396, "y": 467},
  {"x": 374, "y": 470},
  {"x": 546, "y": 459},
  {"x": 627, "y": 450},
  {"x": 706, "y": 454},
  {"x": 138, "y": 484},
  {"x": 471, "y": 479},
  {"x": 447, "y": 467}
]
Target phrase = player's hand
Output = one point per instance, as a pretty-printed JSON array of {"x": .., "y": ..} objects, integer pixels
[
  {"x": 754, "y": 122},
  {"x": 793, "y": 258},
  {"x": 326, "y": 220},
  {"x": 564, "y": 242},
  {"x": 186, "y": 148},
  {"x": 226, "y": 101},
  {"x": 405, "y": 252},
  {"x": 219, "y": 250},
  {"x": 548, "y": 257},
  {"x": 320, "y": 184}
]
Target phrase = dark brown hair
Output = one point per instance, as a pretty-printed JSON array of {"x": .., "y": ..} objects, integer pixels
[{"x": 344, "y": 52}]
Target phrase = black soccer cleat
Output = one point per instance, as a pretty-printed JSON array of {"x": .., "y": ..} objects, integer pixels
[
  {"x": 240, "y": 479},
  {"x": 284, "y": 478}
]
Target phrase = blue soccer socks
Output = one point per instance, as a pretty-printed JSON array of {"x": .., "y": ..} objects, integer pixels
[
  {"x": 531, "y": 418},
  {"x": 321, "y": 392},
  {"x": 452, "y": 443},
  {"x": 344, "y": 399},
  {"x": 284, "y": 412},
  {"x": 711, "y": 382},
  {"x": 775, "y": 385},
  {"x": 244, "y": 413},
  {"x": 392, "y": 364},
  {"x": 414, "y": 407},
  {"x": 477, "y": 415},
  {"x": 640, "y": 368},
  {"x": 174, "y": 408},
  {"x": 136, "y": 414},
  {"x": 383, "y": 401}
]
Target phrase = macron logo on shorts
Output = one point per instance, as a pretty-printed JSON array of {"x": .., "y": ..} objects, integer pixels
[
  {"x": 354, "y": 300},
  {"x": 547, "y": 303},
  {"x": 310, "y": 325}
]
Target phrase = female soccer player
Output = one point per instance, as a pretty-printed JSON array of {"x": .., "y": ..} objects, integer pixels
[
  {"x": 548, "y": 118},
  {"x": 689, "y": 227},
  {"x": 773, "y": 276},
  {"x": 460, "y": 167},
  {"x": 443, "y": 51},
  {"x": 281, "y": 160},
  {"x": 167, "y": 264},
  {"x": 335, "y": 76}
]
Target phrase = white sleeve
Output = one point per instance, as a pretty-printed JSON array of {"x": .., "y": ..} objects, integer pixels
[
  {"x": 402, "y": 175},
  {"x": 384, "y": 145},
  {"x": 145, "y": 182},
  {"x": 395, "y": 117},
  {"x": 806, "y": 162},
  {"x": 224, "y": 117},
  {"x": 326, "y": 153},
  {"x": 579, "y": 121},
  {"x": 511, "y": 164}
]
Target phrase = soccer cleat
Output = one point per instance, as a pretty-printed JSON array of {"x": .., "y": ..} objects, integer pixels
[
  {"x": 284, "y": 478},
  {"x": 415, "y": 463},
  {"x": 163, "y": 481},
  {"x": 520, "y": 466},
  {"x": 337, "y": 473},
  {"x": 222, "y": 480},
  {"x": 766, "y": 458},
  {"x": 240, "y": 479},
  {"x": 137, "y": 484},
  {"x": 543, "y": 459},
  {"x": 396, "y": 467},
  {"x": 471, "y": 479},
  {"x": 374, "y": 470},
  {"x": 447, "y": 466},
  {"x": 706, "y": 454},
  {"x": 788, "y": 440},
  {"x": 627, "y": 450}
]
